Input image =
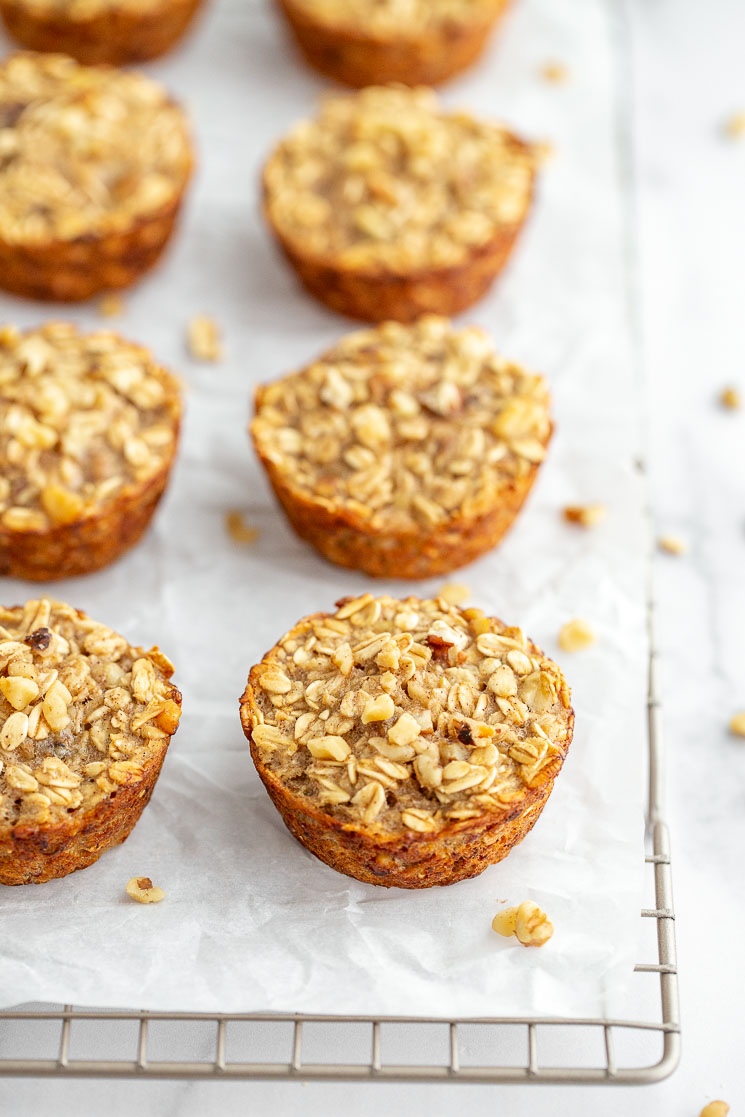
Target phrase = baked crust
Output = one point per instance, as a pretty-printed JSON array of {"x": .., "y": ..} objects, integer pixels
[
  {"x": 398, "y": 843},
  {"x": 96, "y": 717},
  {"x": 118, "y": 34},
  {"x": 87, "y": 240},
  {"x": 359, "y": 56},
  {"x": 358, "y": 519},
  {"x": 378, "y": 227},
  {"x": 90, "y": 531}
]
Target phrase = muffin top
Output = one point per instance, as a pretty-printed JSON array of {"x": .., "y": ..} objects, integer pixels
[
  {"x": 84, "y": 150},
  {"x": 405, "y": 426},
  {"x": 408, "y": 714},
  {"x": 81, "y": 712},
  {"x": 83, "y": 417},
  {"x": 384, "y": 179},
  {"x": 395, "y": 18},
  {"x": 80, "y": 11}
]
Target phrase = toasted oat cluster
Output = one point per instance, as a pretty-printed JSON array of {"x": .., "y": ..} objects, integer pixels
[
  {"x": 384, "y": 178},
  {"x": 81, "y": 712},
  {"x": 396, "y": 17},
  {"x": 409, "y": 714},
  {"x": 406, "y": 425},
  {"x": 84, "y": 150},
  {"x": 82, "y": 417}
]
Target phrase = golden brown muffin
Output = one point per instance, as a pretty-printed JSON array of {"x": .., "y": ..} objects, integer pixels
[
  {"x": 89, "y": 427},
  {"x": 388, "y": 207},
  {"x": 369, "y": 42},
  {"x": 404, "y": 451},
  {"x": 94, "y": 163},
  {"x": 93, "y": 31},
  {"x": 407, "y": 743},
  {"x": 85, "y": 722}
]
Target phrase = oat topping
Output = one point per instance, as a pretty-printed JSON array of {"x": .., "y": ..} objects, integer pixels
[
  {"x": 397, "y": 18},
  {"x": 454, "y": 593},
  {"x": 406, "y": 425},
  {"x": 84, "y": 150},
  {"x": 203, "y": 338},
  {"x": 527, "y": 923},
  {"x": 81, "y": 712},
  {"x": 82, "y": 416},
  {"x": 585, "y": 515},
  {"x": 384, "y": 178},
  {"x": 144, "y": 891},
  {"x": 576, "y": 635},
  {"x": 409, "y": 714}
]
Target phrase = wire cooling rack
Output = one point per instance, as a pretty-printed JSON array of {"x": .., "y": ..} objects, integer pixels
[{"x": 66, "y": 1042}]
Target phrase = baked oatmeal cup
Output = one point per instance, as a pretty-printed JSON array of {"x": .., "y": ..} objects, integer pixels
[
  {"x": 407, "y": 743},
  {"x": 94, "y": 163},
  {"x": 369, "y": 42},
  {"x": 93, "y": 31},
  {"x": 89, "y": 427},
  {"x": 388, "y": 207},
  {"x": 404, "y": 451},
  {"x": 85, "y": 722}
]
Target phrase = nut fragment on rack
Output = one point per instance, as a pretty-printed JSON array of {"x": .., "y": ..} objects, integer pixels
[
  {"x": 672, "y": 545},
  {"x": 407, "y": 742},
  {"x": 366, "y": 42},
  {"x": 730, "y": 398},
  {"x": 89, "y": 427},
  {"x": 389, "y": 207},
  {"x": 85, "y": 722},
  {"x": 94, "y": 163},
  {"x": 118, "y": 32},
  {"x": 238, "y": 529},
  {"x": 555, "y": 72},
  {"x": 737, "y": 724},
  {"x": 715, "y": 1109},
  {"x": 530, "y": 925},
  {"x": 734, "y": 126},
  {"x": 144, "y": 891},
  {"x": 576, "y": 635},
  {"x": 404, "y": 451},
  {"x": 585, "y": 515},
  {"x": 203, "y": 337}
]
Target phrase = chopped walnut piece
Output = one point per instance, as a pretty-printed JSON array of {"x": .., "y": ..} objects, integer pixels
[
  {"x": 585, "y": 515},
  {"x": 737, "y": 724},
  {"x": 144, "y": 891},
  {"x": 672, "y": 544},
  {"x": 555, "y": 72},
  {"x": 203, "y": 337},
  {"x": 238, "y": 529},
  {"x": 576, "y": 635},
  {"x": 715, "y": 1109},
  {"x": 528, "y": 923},
  {"x": 730, "y": 398}
]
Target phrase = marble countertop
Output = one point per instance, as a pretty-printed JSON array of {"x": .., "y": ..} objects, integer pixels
[{"x": 688, "y": 78}]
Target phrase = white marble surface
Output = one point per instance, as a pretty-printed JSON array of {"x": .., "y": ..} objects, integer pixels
[{"x": 688, "y": 66}]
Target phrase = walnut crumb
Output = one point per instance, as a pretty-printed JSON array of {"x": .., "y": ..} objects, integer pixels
[
  {"x": 527, "y": 923},
  {"x": 576, "y": 635},
  {"x": 111, "y": 305},
  {"x": 715, "y": 1109},
  {"x": 144, "y": 891},
  {"x": 203, "y": 337},
  {"x": 734, "y": 126},
  {"x": 585, "y": 515},
  {"x": 730, "y": 398},
  {"x": 672, "y": 545},
  {"x": 239, "y": 530},
  {"x": 555, "y": 72}
]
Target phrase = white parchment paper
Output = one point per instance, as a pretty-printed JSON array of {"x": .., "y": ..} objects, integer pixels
[{"x": 252, "y": 921}]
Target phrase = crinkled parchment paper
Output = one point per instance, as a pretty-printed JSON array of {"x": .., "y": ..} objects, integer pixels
[{"x": 251, "y": 921}]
